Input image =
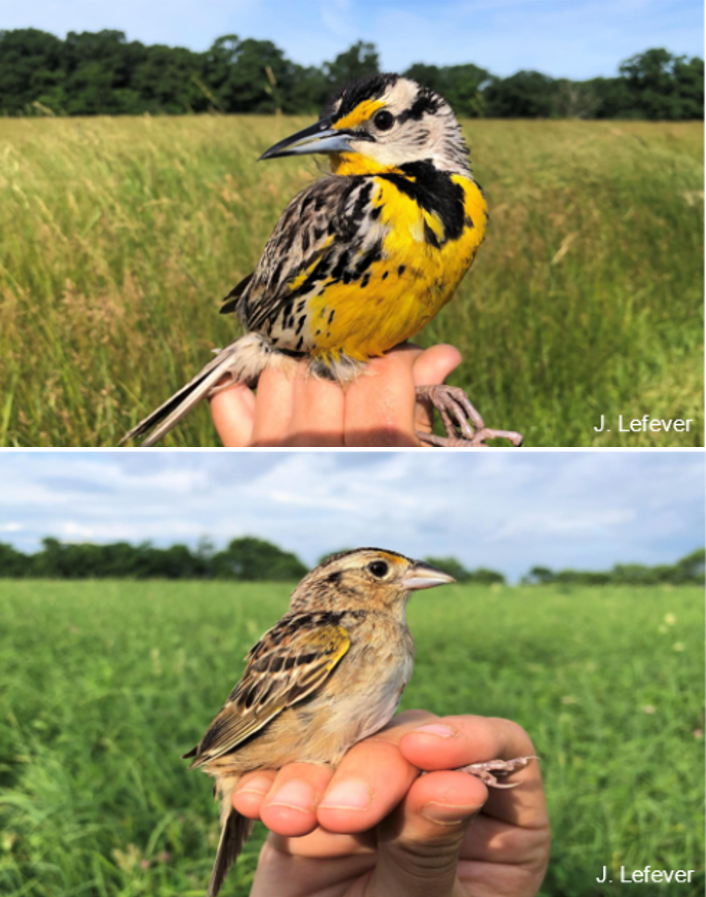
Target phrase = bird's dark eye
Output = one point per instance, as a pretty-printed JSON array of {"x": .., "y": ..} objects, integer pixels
[
  {"x": 378, "y": 568},
  {"x": 384, "y": 120}
]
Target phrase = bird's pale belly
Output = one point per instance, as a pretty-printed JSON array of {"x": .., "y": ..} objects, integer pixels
[{"x": 348, "y": 719}]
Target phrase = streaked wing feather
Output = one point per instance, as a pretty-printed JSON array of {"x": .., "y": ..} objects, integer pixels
[
  {"x": 289, "y": 663},
  {"x": 231, "y": 300},
  {"x": 319, "y": 226}
]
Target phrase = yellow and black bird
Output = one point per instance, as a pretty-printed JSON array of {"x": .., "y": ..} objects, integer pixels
[{"x": 361, "y": 259}]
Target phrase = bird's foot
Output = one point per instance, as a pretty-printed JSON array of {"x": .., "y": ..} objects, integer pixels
[
  {"x": 463, "y": 424},
  {"x": 488, "y": 771}
]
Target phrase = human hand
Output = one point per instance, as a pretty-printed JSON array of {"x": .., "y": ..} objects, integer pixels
[
  {"x": 413, "y": 836},
  {"x": 378, "y": 409}
]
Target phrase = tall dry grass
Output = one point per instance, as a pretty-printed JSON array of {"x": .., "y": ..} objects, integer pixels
[{"x": 120, "y": 236}]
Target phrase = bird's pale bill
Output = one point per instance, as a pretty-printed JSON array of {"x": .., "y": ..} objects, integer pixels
[{"x": 424, "y": 576}]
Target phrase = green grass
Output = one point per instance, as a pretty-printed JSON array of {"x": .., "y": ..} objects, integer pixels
[
  {"x": 105, "y": 684},
  {"x": 120, "y": 236}
]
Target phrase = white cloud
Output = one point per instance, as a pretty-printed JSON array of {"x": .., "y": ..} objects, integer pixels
[{"x": 507, "y": 510}]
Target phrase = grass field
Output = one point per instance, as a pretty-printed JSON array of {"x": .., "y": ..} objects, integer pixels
[
  {"x": 120, "y": 236},
  {"x": 105, "y": 684}
]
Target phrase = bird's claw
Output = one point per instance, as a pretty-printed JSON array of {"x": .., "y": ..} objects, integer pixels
[
  {"x": 463, "y": 424},
  {"x": 488, "y": 771}
]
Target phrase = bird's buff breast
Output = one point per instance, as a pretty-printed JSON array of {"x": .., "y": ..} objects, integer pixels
[
  {"x": 406, "y": 288},
  {"x": 336, "y": 721},
  {"x": 351, "y": 705}
]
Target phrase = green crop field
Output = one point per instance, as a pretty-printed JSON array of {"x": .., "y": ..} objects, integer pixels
[
  {"x": 105, "y": 684},
  {"x": 120, "y": 236}
]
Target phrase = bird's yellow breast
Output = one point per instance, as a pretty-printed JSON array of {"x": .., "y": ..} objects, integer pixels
[{"x": 421, "y": 263}]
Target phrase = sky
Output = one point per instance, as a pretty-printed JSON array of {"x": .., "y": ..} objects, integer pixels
[
  {"x": 507, "y": 511},
  {"x": 563, "y": 38}
]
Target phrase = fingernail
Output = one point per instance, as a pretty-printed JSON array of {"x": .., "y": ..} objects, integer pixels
[
  {"x": 259, "y": 785},
  {"x": 437, "y": 729},
  {"x": 447, "y": 814},
  {"x": 295, "y": 794},
  {"x": 349, "y": 795}
]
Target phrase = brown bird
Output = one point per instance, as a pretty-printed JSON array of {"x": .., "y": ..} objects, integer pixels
[{"x": 330, "y": 673}]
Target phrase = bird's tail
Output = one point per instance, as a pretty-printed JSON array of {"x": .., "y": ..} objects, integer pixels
[
  {"x": 244, "y": 360},
  {"x": 235, "y": 831}
]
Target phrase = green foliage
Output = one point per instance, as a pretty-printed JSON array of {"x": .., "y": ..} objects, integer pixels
[
  {"x": 104, "y": 685},
  {"x": 357, "y": 62},
  {"x": 688, "y": 570},
  {"x": 104, "y": 73},
  {"x": 461, "y": 85},
  {"x": 250, "y": 559},
  {"x": 664, "y": 86},
  {"x": 13, "y": 563},
  {"x": 246, "y": 559},
  {"x": 523, "y": 95},
  {"x": 248, "y": 75}
]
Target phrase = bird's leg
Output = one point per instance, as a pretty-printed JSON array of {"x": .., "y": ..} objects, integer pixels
[
  {"x": 463, "y": 424},
  {"x": 488, "y": 771}
]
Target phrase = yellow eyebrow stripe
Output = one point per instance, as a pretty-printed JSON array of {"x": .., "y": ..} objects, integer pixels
[{"x": 361, "y": 113}]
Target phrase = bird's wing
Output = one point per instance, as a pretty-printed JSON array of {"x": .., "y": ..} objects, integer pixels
[
  {"x": 231, "y": 300},
  {"x": 289, "y": 663},
  {"x": 326, "y": 230}
]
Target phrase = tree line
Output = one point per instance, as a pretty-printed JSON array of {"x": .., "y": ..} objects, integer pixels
[
  {"x": 103, "y": 73},
  {"x": 251, "y": 559},
  {"x": 688, "y": 570}
]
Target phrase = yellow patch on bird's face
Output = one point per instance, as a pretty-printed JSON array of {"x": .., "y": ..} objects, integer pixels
[
  {"x": 361, "y": 113},
  {"x": 395, "y": 560},
  {"x": 359, "y": 163}
]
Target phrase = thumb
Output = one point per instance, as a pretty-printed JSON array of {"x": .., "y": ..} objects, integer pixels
[
  {"x": 435, "y": 364},
  {"x": 420, "y": 842}
]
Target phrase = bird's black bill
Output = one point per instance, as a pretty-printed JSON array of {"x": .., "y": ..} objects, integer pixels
[{"x": 317, "y": 138}]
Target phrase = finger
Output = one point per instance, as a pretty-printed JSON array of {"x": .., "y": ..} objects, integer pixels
[
  {"x": 455, "y": 741},
  {"x": 289, "y": 807},
  {"x": 278, "y": 874},
  {"x": 325, "y": 845},
  {"x": 372, "y": 778},
  {"x": 251, "y": 791},
  {"x": 317, "y": 413},
  {"x": 419, "y": 844},
  {"x": 273, "y": 411},
  {"x": 380, "y": 404},
  {"x": 433, "y": 366},
  {"x": 489, "y": 840},
  {"x": 265, "y": 788},
  {"x": 233, "y": 412}
]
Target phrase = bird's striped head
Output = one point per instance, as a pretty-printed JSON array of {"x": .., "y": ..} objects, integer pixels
[
  {"x": 364, "y": 578},
  {"x": 380, "y": 124}
]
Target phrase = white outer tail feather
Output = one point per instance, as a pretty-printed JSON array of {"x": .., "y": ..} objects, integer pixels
[{"x": 244, "y": 360}]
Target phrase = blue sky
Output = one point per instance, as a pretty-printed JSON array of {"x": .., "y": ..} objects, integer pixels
[
  {"x": 504, "y": 510},
  {"x": 564, "y": 38}
]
